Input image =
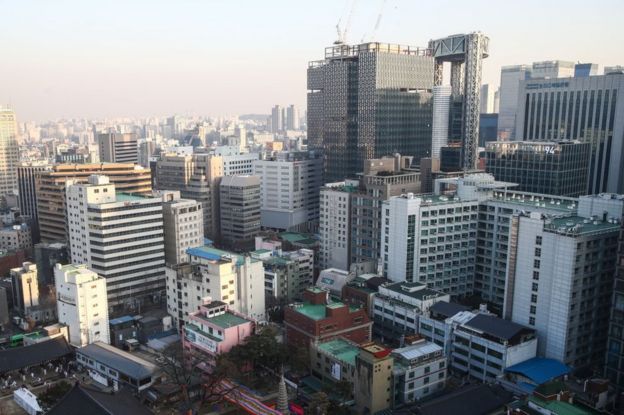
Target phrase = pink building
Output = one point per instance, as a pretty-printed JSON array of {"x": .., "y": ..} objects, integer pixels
[{"x": 213, "y": 330}]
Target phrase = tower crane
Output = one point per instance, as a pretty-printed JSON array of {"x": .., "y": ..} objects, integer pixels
[{"x": 342, "y": 33}]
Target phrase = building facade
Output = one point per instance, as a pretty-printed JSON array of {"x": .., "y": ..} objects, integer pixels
[
  {"x": 27, "y": 186},
  {"x": 82, "y": 304},
  {"x": 118, "y": 148},
  {"x": 212, "y": 330},
  {"x": 25, "y": 287},
  {"x": 16, "y": 237},
  {"x": 551, "y": 168},
  {"x": 430, "y": 239},
  {"x": 9, "y": 151},
  {"x": 615, "y": 344},
  {"x": 51, "y": 185},
  {"x": 184, "y": 226},
  {"x": 119, "y": 236},
  {"x": 351, "y": 94},
  {"x": 586, "y": 109},
  {"x": 335, "y": 224},
  {"x": 563, "y": 278},
  {"x": 419, "y": 371},
  {"x": 290, "y": 183},
  {"x": 240, "y": 210}
]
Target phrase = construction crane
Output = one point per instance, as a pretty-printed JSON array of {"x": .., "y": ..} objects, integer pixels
[
  {"x": 342, "y": 33},
  {"x": 377, "y": 23}
]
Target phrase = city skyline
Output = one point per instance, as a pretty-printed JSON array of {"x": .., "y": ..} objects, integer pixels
[{"x": 70, "y": 60}]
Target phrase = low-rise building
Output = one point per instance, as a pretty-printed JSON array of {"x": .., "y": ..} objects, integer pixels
[
  {"x": 16, "y": 237},
  {"x": 398, "y": 306},
  {"x": 25, "y": 287},
  {"x": 213, "y": 330},
  {"x": 334, "y": 360},
  {"x": 333, "y": 280},
  {"x": 112, "y": 366},
  {"x": 419, "y": 371},
  {"x": 286, "y": 274},
  {"x": 373, "y": 379},
  {"x": 319, "y": 318}
]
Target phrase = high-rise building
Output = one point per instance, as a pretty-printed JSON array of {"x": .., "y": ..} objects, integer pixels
[
  {"x": 276, "y": 119},
  {"x": 584, "y": 70},
  {"x": 27, "y": 186},
  {"x": 563, "y": 278},
  {"x": 551, "y": 168},
  {"x": 497, "y": 101},
  {"x": 583, "y": 109},
  {"x": 50, "y": 193},
  {"x": 197, "y": 177},
  {"x": 617, "y": 69},
  {"x": 615, "y": 345},
  {"x": 25, "y": 287},
  {"x": 292, "y": 118},
  {"x": 367, "y": 101},
  {"x": 335, "y": 224},
  {"x": 9, "y": 151},
  {"x": 552, "y": 69},
  {"x": 147, "y": 148},
  {"x": 119, "y": 236},
  {"x": 118, "y": 148},
  {"x": 465, "y": 52},
  {"x": 488, "y": 128},
  {"x": 430, "y": 239},
  {"x": 508, "y": 99},
  {"x": 441, "y": 114},
  {"x": 487, "y": 99},
  {"x": 290, "y": 183},
  {"x": 82, "y": 304},
  {"x": 184, "y": 226},
  {"x": 240, "y": 210}
]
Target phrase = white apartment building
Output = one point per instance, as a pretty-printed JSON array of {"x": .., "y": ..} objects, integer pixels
[
  {"x": 216, "y": 275},
  {"x": 119, "y": 236},
  {"x": 335, "y": 224},
  {"x": 184, "y": 226},
  {"x": 430, "y": 239},
  {"x": 82, "y": 304},
  {"x": 398, "y": 306},
  {"x": 563, "y": 278},
  {"x": 289, "y": 187},
  {"x": 235, "y": 162},
  {"x": 419, "y": 370}
]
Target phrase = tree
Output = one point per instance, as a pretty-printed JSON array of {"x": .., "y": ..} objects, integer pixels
[
  {"x": 319, "y": 404},
  {"x": 184, "y": 369}
]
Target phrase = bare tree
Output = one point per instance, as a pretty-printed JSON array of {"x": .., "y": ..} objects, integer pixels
[{"x": 199, "y": 384}]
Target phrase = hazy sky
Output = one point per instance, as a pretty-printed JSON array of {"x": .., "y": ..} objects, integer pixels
[{"x": 137, "y": 58}]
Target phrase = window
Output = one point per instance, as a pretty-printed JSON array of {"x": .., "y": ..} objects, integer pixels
[
  {"x": 532, "y": 321},
  {"x": 538, "y": 240},
  {"x": 536, "y": 263},
  {"x": 534, "y": 298},
  {"x": 534, "y": 287},
  {"x": 538, "y": 252},
  {"x": 533, "y": 309},
  {"x": 536, "y": 275}
]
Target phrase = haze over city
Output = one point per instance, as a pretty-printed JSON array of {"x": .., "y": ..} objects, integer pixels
[{"x": 140, "y": 58}]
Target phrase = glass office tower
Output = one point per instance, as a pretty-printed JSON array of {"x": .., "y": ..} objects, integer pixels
[{"x": 367, "y": 101}]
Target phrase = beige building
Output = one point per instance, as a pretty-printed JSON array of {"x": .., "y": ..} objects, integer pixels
[
  {"x": 190, "y": 174},
  {"x": 373, "y": 379},
  {"x": 118, "y": 148},
  {"x": 25, "y": 287},
  {"x": 9, "y": 151},
  {"x": 184, "y": 226},
  {"x": 128, "y": 178}
]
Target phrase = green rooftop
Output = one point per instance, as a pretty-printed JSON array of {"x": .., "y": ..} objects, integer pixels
[
  {"x": 576, "y": 225},
  {"x": 225, "y": 320},
  {"x": 318, "y": 311},
  {"x": 341, "y": 350},
  {"x": 298, "y": 238},
  {"x": 126, "y": 197},
  {"x": 560, "y": 407},
  {"x": 261, "y": 251}
]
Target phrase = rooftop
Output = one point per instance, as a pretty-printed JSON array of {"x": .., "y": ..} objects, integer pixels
[
  {"x": 468, "y": 400},
  {"x": 418, "y": 350},
  {"x": 298, "y": 238},
  {"x": 539, "y": 370},
  {"x": 126, "y": 197},
  {"x": 560, "y": 407},
  {"x": 319, "y": 311},
  {"x": 341, "y": 350},
  {"x": 433, "y": 199},
  {"x": 119, "y": 360},
  {"x": 35, "y": 354},
  {"x": 82, "y": 399},
  {"x": 447, "y": 309},
  {"x": 496, "y": 327},
  {"x": 414, "y": 290},
  {"x": 576, "y": 225},
  {"x": 214, "y": 254},
  {"x": 226, "y": 320},
  {"x": 533, "y": 201}
]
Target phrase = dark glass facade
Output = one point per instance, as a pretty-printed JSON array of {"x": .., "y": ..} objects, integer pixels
[
  {"x": 367, "y": 101},
  {"x": 541, "y": 167},
  {"x": 488, "y": 128}
]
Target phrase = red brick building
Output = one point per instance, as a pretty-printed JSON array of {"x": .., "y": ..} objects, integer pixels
[{"x": 320, "y": 318}]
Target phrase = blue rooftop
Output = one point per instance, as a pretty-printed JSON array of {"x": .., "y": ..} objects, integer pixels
[
  {"x": 120, "y": 320},
  {"x": 540, "y": 370},
  {"x": 213, "y": 254}
]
